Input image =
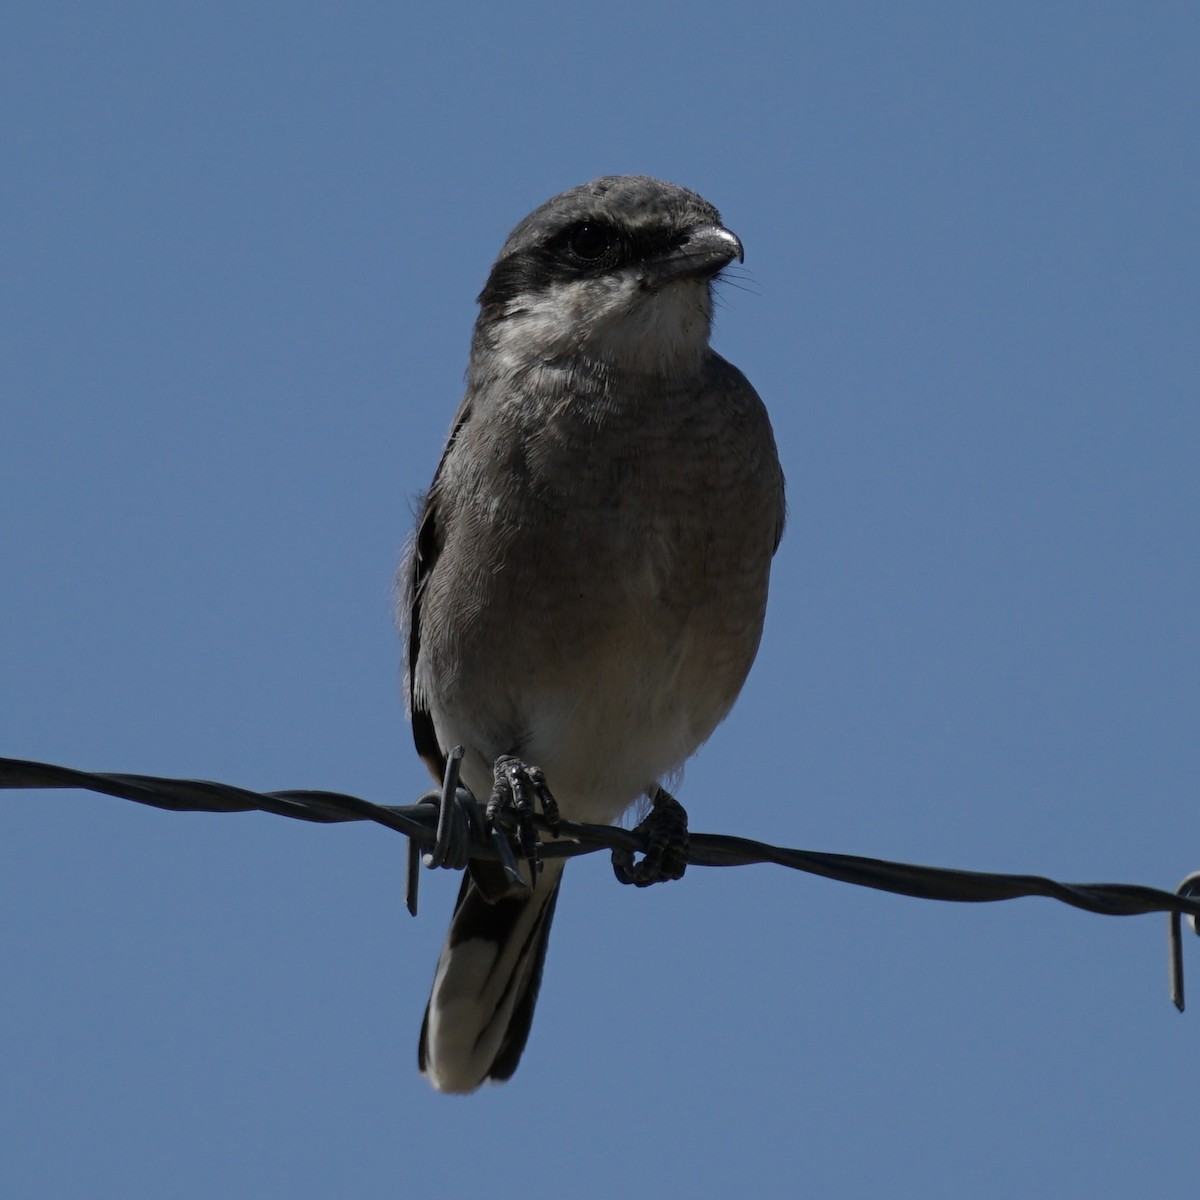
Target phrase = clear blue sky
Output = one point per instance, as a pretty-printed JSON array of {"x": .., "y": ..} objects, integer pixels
[{"x": 238, "y": 253}]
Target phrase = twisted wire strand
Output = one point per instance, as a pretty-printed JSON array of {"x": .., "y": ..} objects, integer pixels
[{"x": 445, "y": 829}]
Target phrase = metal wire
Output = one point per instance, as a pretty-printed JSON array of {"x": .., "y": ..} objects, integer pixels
[{"x": 447, "y": 826}]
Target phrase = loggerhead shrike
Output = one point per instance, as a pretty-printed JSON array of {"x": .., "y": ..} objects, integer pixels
[{"x": 585, "y": 590}]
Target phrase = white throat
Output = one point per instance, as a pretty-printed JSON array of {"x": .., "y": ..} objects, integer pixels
[{"x": 620, "y": 319}]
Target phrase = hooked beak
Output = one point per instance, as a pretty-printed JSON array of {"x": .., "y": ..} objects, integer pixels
[{"x": 706, "y": 250}]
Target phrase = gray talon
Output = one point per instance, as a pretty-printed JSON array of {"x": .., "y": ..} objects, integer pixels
[
  {"x": 666, "y": 827},
  {"x": 517, "y": 788}
]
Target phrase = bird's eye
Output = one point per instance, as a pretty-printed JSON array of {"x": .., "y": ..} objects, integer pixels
[{"x": 590, "y": 240}]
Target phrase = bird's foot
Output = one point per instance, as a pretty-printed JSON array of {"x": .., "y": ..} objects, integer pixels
[
  {"x": 517, "y": 788},
  {"x": 666, "y": 827}
]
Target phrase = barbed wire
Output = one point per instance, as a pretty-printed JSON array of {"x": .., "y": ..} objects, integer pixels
[{"x": 445, "y": 828}]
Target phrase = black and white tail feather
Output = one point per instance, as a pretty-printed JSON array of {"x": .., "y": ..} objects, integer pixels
[{"x": 486, "y": 985}]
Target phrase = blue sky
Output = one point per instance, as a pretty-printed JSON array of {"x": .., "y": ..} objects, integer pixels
[{"x": 241, "y": 245}]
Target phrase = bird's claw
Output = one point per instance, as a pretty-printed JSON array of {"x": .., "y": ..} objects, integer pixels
[
  {"x": 666, "y": 828},
  {"x": 517, "y": 788}
]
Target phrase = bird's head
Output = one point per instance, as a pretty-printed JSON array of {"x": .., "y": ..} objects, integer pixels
[{"x": 619, "y": 270}]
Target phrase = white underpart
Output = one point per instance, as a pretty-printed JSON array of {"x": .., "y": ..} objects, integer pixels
[{"x": 625, "y": 319}]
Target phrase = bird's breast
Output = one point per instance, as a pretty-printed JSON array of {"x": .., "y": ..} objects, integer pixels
[{"x": 601, "y": 602}]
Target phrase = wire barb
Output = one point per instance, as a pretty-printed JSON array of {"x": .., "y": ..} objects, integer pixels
[
  {"x": 447, "y": 811},
  {"x": 1188, "y": 888},
  {"x": 450, "y": 846},
  {"x": 447, "y": 825}
]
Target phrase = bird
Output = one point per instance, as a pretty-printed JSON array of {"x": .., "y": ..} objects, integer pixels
[{"x": 584, "y": 592}]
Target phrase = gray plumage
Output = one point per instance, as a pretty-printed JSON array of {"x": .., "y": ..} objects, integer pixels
[{"x": 588, "y": 579}]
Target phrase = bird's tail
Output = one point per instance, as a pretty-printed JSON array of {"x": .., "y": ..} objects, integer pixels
[{"x": 486, "y": 985}]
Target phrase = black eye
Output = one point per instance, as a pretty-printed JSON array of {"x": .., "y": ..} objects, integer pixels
[{"x": 590, "y": 240}]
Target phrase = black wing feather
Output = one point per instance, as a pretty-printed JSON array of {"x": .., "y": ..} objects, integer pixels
[{"x": 426, "y": 547}]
